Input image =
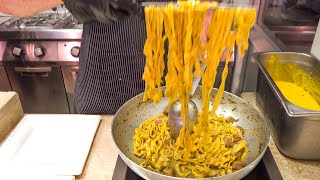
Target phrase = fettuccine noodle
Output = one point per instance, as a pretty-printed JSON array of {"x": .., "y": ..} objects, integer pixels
[{"x": 215, "y": 147}]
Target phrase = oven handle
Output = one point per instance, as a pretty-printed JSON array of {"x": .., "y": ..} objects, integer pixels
[{"x": 33, "y": 69}]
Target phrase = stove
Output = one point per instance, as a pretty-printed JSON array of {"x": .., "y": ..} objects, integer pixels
[
  {"x": 57, "y": 23},
  {"x": 47, "y": 20},
  {"x": 265, "y": 170},
  {"x": 39, "y": 59}
]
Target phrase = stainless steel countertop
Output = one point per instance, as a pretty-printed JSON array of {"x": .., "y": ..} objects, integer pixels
[
  {"x": 261, "y": 41},
  {"x": 57, "y": 34}
]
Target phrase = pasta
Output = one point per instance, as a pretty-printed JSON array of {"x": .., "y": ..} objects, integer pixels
[
  {"x": 212, "y": 154},
  {"x": 154, "y": 51},
  {"x": 215, "y": 147}
]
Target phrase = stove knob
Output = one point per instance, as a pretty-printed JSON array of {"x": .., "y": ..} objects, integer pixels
[
  {"x": 17, "y": 51},
  {"x": 75, "y": 51},
  {"x": 39, "y": 51}
]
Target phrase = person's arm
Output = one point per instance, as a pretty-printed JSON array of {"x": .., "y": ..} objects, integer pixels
[
  {"x": 27, "y": 8},
  {"x": 107, "y": 11},
  {"x": 85, "y": 11}
]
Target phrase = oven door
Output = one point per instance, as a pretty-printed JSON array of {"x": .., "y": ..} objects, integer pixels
[
  {"x": 40, "y": 86},
  {"x": 69, "y": 76}
]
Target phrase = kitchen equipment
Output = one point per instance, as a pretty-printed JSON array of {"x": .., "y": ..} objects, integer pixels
[
  {"x": 174, "y": 116},
  {"x": 135, "y": 111},
  {"x": 55, "y": 20},
  {"x": 49, "y": 145},
  {"x": 175, "y": 120},
  {"x": 39, "y": 85},
  {"x": 37, "y": 59},
  {"x": 41, "y": 72},
  {"x": 4, "y": 19},
  {"x": 294, "y": 129}
]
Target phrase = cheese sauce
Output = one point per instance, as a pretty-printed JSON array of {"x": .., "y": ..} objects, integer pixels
[{"x": 297, "y": 95}]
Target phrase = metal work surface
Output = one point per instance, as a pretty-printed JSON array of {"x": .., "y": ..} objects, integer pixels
[{"x": 42, "y": 72}]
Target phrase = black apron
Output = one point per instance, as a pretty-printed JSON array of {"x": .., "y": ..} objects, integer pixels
[{"x": 111, "y": 65}]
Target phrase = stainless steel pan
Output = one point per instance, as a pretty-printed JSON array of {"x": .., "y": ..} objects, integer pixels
[{"x": 134, "y": 112}]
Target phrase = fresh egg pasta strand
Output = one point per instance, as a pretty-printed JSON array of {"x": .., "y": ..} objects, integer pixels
[{"x": 209, "y": 153}]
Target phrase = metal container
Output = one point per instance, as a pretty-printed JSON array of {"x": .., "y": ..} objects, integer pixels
[{"x": 295, "y": 130}]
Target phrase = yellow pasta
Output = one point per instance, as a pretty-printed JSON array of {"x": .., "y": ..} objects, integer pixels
[
  {"x": 215, "y": 147},
  {"x": 154, "y": 51}
]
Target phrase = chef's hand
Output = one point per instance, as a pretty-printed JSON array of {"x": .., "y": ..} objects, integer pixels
[
  {"x": 207, "y": 21},
  {"x": 107, "y": 11},
  {"x": 205, "y": 27}
]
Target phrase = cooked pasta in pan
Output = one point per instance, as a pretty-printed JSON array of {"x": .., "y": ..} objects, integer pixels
[{"x": 216, "y": 147}]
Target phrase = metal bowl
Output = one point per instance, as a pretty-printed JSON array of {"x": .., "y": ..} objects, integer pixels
[
  {"x": 294, "y": 129},
  {"x": 134, "y": 112}
]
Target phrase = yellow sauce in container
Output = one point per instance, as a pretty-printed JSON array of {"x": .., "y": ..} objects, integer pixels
[
  {"x": 297, "y": 95},
  {"x": 298, "y": 83}
]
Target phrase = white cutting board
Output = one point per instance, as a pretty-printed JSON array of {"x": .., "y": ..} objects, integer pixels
[{"x": 49, "y": 144}]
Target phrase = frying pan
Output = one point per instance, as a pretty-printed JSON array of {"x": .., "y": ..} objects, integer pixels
[{"x": 135, "y": 111}]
